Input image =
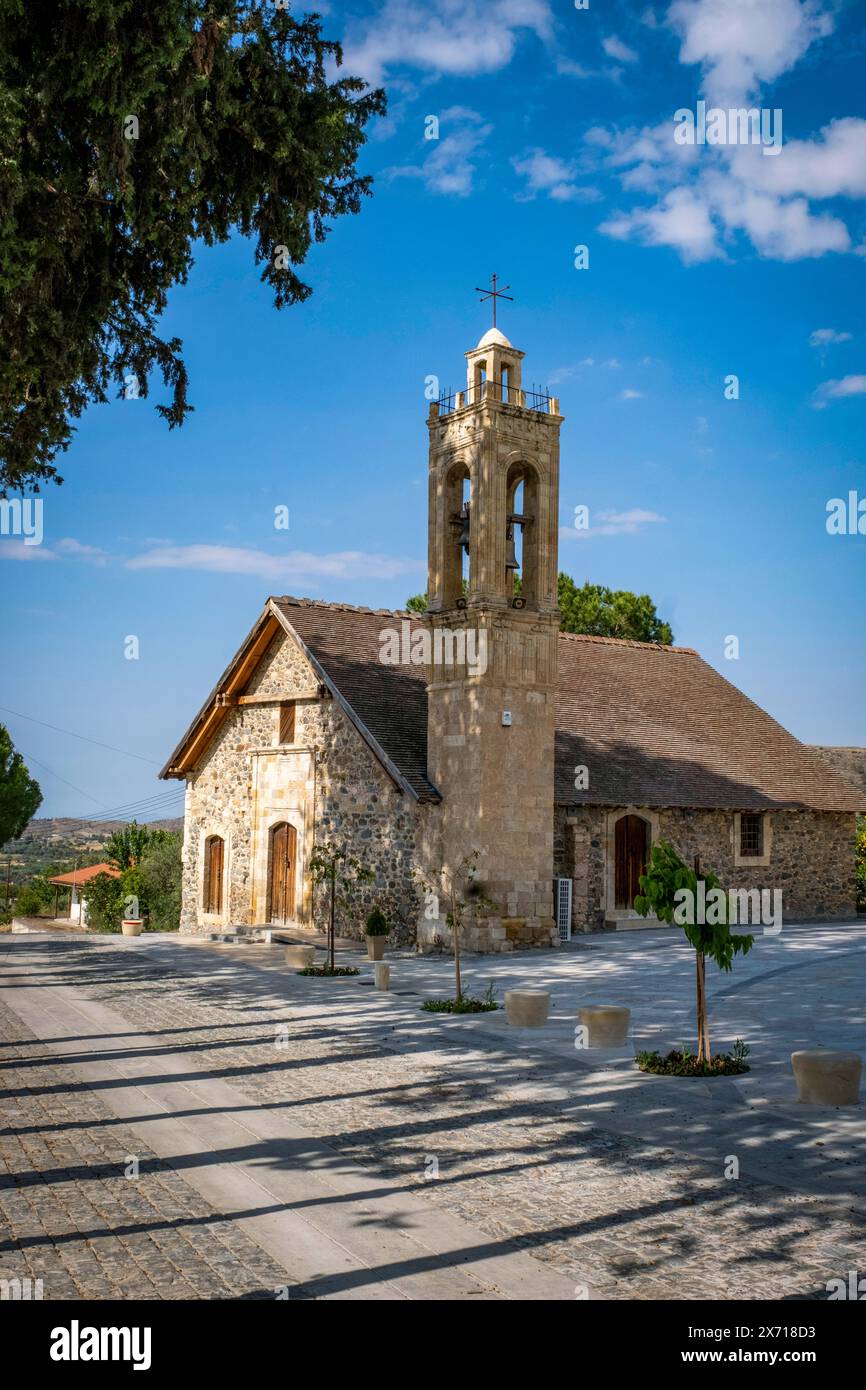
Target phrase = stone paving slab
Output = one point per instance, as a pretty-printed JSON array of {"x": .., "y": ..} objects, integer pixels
[{"x": 584, "y": 1163}]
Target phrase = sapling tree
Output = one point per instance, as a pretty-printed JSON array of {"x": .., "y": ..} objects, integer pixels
[
  {"x": 669, "y": 888},
  {"x": 464, "y": 898},
  {"x": 333, "y": 866}
]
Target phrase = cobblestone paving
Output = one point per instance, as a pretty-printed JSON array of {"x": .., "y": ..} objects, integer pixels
[
  {"x": 70, "y": 1217},
  {"x": 641, "y": 1221}
]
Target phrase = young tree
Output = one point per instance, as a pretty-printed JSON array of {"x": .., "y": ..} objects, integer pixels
[
  {"x": 20, "y": 795},
  {"x": 464, "y": 897},
  {"x": 664, "y": 879},
  {"x": 128, "y": 133},
  {"x": 332, "y": 865}
]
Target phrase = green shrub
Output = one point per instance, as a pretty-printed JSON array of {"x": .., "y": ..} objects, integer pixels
[{"x": 377, "y": 923}]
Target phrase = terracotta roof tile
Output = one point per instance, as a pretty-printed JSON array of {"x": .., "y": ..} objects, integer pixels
[{"x": 654, "y": 725}]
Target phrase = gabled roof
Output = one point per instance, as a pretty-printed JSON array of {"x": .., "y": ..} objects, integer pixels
[
  {"x": 658, "y": 726},
  {"x": 79, "y": 876},
  {"x": 654, "y": 726}
]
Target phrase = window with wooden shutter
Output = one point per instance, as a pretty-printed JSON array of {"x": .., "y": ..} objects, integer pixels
[
  {"x": 751, "y": 836},
  {"x": 213, "y": 874},
  {"x": 287, "y": 723}
]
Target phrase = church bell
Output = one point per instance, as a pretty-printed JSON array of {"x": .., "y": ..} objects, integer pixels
[{"x": 510, "y": 552}]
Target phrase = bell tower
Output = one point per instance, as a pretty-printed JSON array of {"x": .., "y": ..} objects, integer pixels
[{"x": 492, "y": 606}]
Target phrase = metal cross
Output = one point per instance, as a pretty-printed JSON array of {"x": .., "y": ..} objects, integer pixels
[{"x": 494, "y": 294}]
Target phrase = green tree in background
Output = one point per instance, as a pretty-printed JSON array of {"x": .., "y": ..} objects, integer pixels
[
  {"x": 596, "y": 610},
  {"x": 20, "y": 795},
  {"x": 127, "y": 133},
  {"x": 604, "y": 612},
  {"x": 160, "y": 877}
]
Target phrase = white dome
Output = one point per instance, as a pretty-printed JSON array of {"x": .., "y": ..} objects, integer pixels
[{"x": 493, "y": 338}]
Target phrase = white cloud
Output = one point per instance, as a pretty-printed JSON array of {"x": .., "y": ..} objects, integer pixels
[
  {"x": 825, "y": 337},
  {"x": 832, "y": 166},
  {"x": 16, "y": 550},
  {"x": 546, "y": 173},
  {"x": 450, "y": 166},
  {"x": 609, "y": 523},
  {"x": 91, "y": 553},
  {"x": 615, "y": 48},
  {"x": 743, "y": 44},
  {"x": 296, "y": 564},
  {"x": 680, "y": 220},
  {"x": 629, "y": 394},
  {"x": 458, "y": 37},
  {"x": 842, "y": 389}
]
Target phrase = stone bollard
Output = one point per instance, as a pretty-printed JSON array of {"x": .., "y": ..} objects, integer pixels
[
  {"x": 300, "y": 956},
  {"x": 527, "y": 1008},
  {"x": 382, "y": 975},
  {"x": 825, "y": 1077},
  {"x": 606, "y": 1024}
]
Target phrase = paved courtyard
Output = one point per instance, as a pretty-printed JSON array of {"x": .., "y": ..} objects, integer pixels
[{"x": 190, "y": 1120}]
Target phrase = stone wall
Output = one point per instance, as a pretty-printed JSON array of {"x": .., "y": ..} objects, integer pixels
[
  {"x": 327, "y": 784},
  {"x": 811, "y": 858}
]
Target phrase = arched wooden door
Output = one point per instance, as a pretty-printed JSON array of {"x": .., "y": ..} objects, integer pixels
[
  {"x": 632, "y": 846},
  {"x": 281, "y": 873}
]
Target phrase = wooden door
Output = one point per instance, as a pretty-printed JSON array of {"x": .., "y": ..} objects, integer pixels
[
  {"x": 632, "y": 850},
  {"x": 281, "y": 887},
  {"x": 213, "y": 860}
]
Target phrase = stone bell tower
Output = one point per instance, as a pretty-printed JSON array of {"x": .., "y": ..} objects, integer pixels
[{"x": 493, "y": 516}]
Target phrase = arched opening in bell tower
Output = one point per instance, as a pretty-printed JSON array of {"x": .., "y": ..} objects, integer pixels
[
  {"x": 458, "y": 510},
  {"x": 522, "y": 488}
]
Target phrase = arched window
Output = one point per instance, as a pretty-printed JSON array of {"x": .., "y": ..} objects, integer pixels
[
  {"x": 521, "y": 498},
  {"x": 458, "y": 500},
  {"x": 214, "y": 859}
]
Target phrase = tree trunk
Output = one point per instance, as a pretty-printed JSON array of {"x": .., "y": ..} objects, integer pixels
[
  {"x": 703, "y": 1021},
  {"x": 455, "y": 931},
  {"x": 331, "y": 920}
]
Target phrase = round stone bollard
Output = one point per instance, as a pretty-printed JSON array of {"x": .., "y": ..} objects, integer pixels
[
  {"x": 382, "y": 975},
  {"x": 300, "y": 956},
  {"x": 606, "y": 1024},
  {"x": 825, "y": 1077},
  {"x": 527, "y": 1008}
]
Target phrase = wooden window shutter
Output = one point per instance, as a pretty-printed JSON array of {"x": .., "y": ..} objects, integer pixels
[
  {"x": 213, "y": 868},
  {"x": 287, "y": 723}
]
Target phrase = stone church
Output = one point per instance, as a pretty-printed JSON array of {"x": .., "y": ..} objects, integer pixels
[{"x": 415, "y": 740}]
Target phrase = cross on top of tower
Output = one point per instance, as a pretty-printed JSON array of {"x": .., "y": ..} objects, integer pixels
[{"x": 494, "y": 294}]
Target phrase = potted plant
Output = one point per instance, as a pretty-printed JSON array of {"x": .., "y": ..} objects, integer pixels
[
  {"x": 131, "y": 926},
  {"x": 377, "y": 929}
]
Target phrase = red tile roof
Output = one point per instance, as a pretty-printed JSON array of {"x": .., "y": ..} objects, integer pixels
[{"x": 79, "y": 876}]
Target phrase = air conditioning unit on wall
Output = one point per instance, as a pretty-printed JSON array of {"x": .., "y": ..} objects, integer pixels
[{"x": 562, "y": 893}]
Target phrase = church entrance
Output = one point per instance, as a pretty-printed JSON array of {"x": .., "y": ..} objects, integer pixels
[
  {"x": 632, "y": 846},
  {"x": 281, "y": 873}
]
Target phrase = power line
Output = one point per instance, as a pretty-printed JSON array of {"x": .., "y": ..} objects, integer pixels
[
  {"x": 134, "y": 809},
  {"x": 52, "y": 773},
  {"x": 84, "y": 738}
]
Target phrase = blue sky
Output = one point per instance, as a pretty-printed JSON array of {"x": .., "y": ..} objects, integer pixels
[{"x": 555, "y": 130}]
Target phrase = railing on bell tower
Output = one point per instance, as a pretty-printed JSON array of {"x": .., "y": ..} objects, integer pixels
[{"x": 537, "y": 400}]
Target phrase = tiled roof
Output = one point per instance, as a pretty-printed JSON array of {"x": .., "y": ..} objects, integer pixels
[
  {"x": 390, "y": 701},
  {"x": 850, "y": 763},
  {"x": 79, "y": 876},
  {"x": 654, "y": 726}
]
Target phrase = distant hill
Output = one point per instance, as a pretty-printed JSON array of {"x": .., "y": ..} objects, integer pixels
[{"x": 62, "y": 841}]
